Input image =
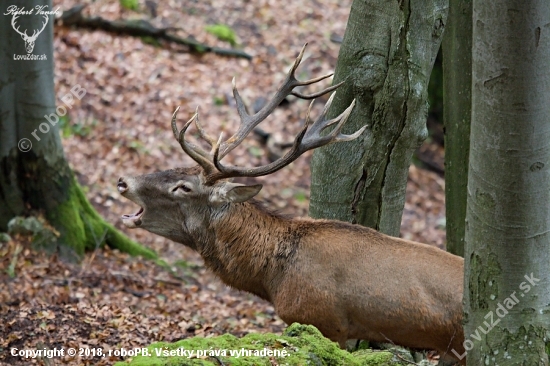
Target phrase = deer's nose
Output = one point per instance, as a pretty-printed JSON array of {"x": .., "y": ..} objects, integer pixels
[{"x": 122, "y": 186}]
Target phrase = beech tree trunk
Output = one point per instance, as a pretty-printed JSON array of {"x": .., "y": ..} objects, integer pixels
[
  {"x": 35, "y": 178},
  {"x": 386, "y": 57},
  {"x": 457, "y": 100},
  {"x": 507, "y": 257}
]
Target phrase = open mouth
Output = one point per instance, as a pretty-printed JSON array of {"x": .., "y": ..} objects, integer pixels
[{"x": 133, "y": 220}]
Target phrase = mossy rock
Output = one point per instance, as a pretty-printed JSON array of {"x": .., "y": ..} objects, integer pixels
[
  {"x": 299, "y": 345},
  {"x": 43, "y": 236},
  {"x": 4, "y": 238}
]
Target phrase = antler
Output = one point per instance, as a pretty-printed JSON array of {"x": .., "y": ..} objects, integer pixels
[
  {"x": 308, "y": 138},
  {"x": 35, "y": 32},
  {"x": 17, "y": 29}
]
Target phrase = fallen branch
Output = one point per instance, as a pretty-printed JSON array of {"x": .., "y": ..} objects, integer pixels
[{"x": 140, "y": 28}]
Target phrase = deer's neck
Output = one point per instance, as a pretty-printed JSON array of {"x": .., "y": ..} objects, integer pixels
[{"x": 250, "y": 249}]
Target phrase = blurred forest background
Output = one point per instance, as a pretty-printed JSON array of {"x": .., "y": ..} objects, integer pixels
[{"x": 121, "y": 127}]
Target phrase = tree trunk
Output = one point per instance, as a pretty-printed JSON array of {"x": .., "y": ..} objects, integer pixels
[
  {"x": 387, "y": 56},
  {"x": 508, "y": 213},
  {"x": 457, "y": 99},
  {"x": 34, "y": 175}
]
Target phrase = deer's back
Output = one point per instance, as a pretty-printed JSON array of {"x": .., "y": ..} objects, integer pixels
[{"x": 374, "y": 284}]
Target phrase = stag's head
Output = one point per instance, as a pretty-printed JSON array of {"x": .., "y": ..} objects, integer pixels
[
  {"x": 177, "y": 204},
  {"x": 29, "y": 40},
  {"x": 180, "y": 204}
]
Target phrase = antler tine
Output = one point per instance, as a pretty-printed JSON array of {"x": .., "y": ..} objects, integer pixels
[
  {"x": 194, "y": 152},
  {"x": 45, "y": 23},
  {"x": 319, "y": 93},
  {"x": 313, "y": 137},
  {"x": 310, "y": 81},
  {"x": 36, "y": 32},
  {"x": 248, "y": 122},
  {"x": 202, "y": 133},
  {"x": 241, "y": 109},
  {"x": 175, "y": 130},
  {"x": 308, "y": 138},
  {"x": 233, "y": 171},
  {"x": 16, "y": 28}
]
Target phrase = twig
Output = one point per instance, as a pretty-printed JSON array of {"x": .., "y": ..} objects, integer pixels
[
  {"x": 13, "y": 263},
  {"x": 47, "y": 361},
  {"x": 448, "y": 347},
  {"x": 167, "y": 281},
  {"x": 85, "y": 266},
  {"x": 218, "y": 359},
  {"x": 401, "y": 357},
  {"x": 140, "y": 28},
  {"x": 396, "y": 354}
]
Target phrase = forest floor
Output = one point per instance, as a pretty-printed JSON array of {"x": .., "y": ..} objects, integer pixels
[{"x": 121, "y": 127}]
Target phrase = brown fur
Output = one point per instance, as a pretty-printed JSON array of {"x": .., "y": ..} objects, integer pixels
[{"x": 349, "y": 281}]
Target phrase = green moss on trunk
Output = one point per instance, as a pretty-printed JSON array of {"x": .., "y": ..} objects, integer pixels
[
  {"x": 39, "y": 181},
  {"x": 82, "y": 228}
]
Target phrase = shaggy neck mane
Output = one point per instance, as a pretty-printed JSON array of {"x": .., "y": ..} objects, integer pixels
[{"x": 274, "y": 245}]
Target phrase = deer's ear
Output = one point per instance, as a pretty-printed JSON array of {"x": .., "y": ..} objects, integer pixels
[
  {"x": 237, "y": 193},
  {"x": 241, "y": 193}
]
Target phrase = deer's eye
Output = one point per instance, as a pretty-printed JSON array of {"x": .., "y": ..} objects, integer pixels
[{"x": 183, "y": 187}]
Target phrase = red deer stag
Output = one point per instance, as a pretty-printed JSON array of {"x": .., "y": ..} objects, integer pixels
[{"x": 349, "y": 281}]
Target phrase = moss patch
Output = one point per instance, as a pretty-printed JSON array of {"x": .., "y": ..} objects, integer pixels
[
  {"x": 223, "y": 33},
  {"x": 299, "y": 345}
]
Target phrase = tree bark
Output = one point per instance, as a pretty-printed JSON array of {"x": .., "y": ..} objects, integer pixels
[
  {"x": 457, "y": 99},
  {"x": 508, "y": 213},
  {"x": 39, "y": 181},
  {"x": 386, "y": 57}
]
